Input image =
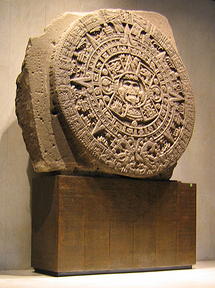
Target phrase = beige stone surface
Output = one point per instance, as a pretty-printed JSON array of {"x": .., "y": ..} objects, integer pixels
[
  {"x": 43, "y": 135},
  {"x": 115, "y": 83},
  {"x": 23, "y": 19}
]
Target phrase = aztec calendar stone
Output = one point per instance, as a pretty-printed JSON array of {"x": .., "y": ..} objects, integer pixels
[{"x": 121, "y": 93}]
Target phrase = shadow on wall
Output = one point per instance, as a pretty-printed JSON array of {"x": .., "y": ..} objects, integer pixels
[{"x": 15, "y": 220}]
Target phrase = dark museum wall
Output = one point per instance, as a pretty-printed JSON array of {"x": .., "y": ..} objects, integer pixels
[{"x": 194, "y": 30}]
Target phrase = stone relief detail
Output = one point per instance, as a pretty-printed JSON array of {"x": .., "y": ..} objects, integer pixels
[{"x": 123, "y": 93}]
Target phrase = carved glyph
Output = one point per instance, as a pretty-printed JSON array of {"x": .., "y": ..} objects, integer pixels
[{"x": 121, "y": 93}]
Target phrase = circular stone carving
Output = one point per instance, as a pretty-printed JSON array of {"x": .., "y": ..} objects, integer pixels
[{"x": 124, "y": 93}]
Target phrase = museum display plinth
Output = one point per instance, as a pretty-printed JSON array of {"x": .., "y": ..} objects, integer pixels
[{"x": 84, "y": 225}]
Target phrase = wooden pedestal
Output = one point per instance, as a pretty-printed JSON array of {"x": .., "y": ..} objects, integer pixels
[{"x": 84, "y": 225}]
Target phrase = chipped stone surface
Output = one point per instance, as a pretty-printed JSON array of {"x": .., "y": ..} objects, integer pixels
[
  {"x": 105, "y": 91},
  {"x": 43, "y": 135}
]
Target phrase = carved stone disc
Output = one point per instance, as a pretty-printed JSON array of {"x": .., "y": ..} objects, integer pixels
[{"x": 124, "y": 93}]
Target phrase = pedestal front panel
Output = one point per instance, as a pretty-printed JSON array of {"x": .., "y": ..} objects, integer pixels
[{"x": 96, "y": 224}]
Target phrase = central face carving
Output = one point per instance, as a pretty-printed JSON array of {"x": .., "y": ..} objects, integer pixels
[
  {"x": 130, "y": 96},
  {"x": 126, "y": 81},
  {"x": 129, "y": 89}
]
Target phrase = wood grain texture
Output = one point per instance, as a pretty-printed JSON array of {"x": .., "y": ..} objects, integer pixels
[{"x": 83, "y": 224}]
